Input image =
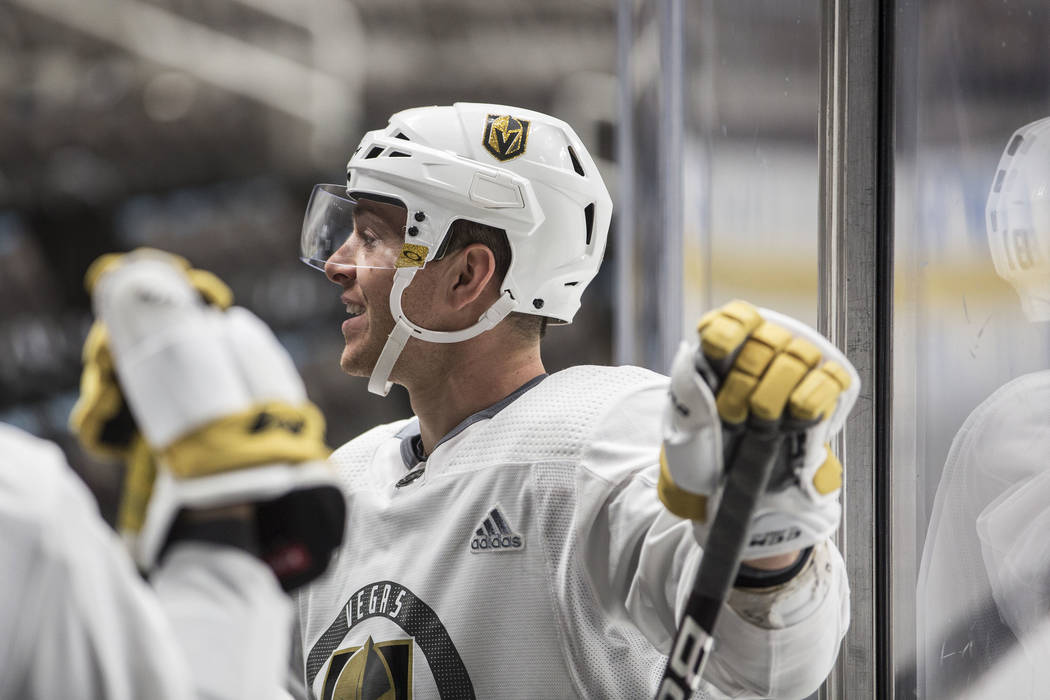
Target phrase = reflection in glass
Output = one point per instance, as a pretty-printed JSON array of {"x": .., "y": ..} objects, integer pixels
[
  {"x": 969, "y": 403},
  {"x": 984, "y": 580},
  {"x": 750, "y": 161}
]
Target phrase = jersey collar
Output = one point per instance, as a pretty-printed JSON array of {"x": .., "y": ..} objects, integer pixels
[{"x": 412, "y": 453}]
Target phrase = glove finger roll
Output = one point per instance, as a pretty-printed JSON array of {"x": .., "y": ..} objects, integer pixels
[
  {"x": 783, "y": 376},
  {"x": 725, "y": 330},
  {"x": 765, "y": 342},
  {"x": 732, "y": 400},
  {"x": 818, "y": 393}
]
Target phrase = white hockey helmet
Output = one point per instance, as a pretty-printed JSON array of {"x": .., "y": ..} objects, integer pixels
[
  {"x": 1017, "y": 217},
  {"x": 514, "y": 169}
]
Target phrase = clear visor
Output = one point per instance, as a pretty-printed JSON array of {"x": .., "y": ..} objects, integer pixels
[{"x": 345, "y": 232}]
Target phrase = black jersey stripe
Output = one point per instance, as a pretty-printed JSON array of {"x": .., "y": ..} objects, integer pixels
[{"x": 496, "y": 516}]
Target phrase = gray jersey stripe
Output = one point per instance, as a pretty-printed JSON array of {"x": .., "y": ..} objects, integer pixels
[{"x": 411, "y": 446}]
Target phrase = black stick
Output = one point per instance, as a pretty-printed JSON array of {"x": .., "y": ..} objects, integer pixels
[{"x": 746, "y": 479}]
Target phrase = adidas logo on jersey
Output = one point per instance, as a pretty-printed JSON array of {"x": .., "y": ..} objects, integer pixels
[{"x": 494, "y": 534}]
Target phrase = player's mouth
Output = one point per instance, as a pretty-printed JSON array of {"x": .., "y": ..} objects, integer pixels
[{"x": 355, "y": 320}]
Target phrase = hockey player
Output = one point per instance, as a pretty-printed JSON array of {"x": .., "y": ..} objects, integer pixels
[
  {"x": 80, "y": 622},
  {"x": 984, "y": 582},
  {"x": 515, "y": 538},
  {"x": 243, "y": 506}
]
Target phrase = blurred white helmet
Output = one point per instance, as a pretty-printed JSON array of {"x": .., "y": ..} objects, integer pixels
[
  {"x": 513, "y": 169},
  {"x": 1018, "y": 217}
]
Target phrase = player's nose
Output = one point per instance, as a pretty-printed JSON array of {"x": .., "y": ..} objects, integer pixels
[{"x": 338, "y": 271}]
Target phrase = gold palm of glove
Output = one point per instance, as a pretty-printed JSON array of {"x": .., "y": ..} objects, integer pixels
[{"x": 764, "y": 370}]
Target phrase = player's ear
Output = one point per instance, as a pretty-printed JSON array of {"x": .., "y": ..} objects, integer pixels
[{"x": 469, "y": 275}]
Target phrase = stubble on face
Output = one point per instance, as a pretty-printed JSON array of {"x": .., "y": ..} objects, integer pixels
[
  {"x": 371, "y": 287},
  {"x": 362, "y": 348}
]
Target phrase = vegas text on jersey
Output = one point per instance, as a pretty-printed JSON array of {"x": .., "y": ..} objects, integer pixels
[{"x": 383, "y": 670}]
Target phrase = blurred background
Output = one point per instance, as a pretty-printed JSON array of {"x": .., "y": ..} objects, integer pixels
[{"x": 200, "y": 126}]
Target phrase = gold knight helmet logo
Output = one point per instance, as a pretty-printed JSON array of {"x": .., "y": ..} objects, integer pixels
[
  {"x": 505, "y": 136},
  {"x": 373, "y": 672}
]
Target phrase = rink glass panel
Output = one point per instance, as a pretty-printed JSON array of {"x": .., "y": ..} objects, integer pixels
[
  {"x": 968, "y": 75},
  {"x": 750, "y": 155}
]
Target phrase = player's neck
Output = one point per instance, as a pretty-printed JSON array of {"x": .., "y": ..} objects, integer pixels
[{"x": 466, "y": 381}]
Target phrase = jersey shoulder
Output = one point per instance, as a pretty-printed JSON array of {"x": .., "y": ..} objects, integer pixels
[
  {"x": 1005, "y": 437},
  {"x": 605, "y": 418},
  {"x": 352, "y": 459},
  {"x": 36, "y": 482}
]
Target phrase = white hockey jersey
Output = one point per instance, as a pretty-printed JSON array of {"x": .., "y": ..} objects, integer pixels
[
  {"x": 529, "y": 557},
  {"x": 984, "y": 582},
  {"x": 78, "y": 621}
]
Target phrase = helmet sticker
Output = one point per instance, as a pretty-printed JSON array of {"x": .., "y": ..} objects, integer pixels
[
  {"x": 412, "y": 255},
  {"x": 505, "y": 136}
]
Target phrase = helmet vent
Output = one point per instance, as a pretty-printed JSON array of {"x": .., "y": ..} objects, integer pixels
[
  {"x": 572, "y": 284},
  {"x": 578, "y": 168},
  {"x": 1015, "y": 144},
  {"x": 588, "y": 215},
  {"x": 399, "y": 135},
  {"x": 399, "y": 154},
  {"x": 999, "y": 177},
  {"x": 374, "y": 153}
]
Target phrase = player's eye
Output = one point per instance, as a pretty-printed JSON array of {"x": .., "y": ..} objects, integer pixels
[{"x": 368, "y": 238}]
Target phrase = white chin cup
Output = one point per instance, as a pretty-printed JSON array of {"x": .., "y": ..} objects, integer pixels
[{"x": 379, "y": 381}]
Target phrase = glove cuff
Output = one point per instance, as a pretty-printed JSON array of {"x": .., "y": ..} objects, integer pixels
[
  {"x": 232, "y": 531},
  {"x": 258, "y": 485}
]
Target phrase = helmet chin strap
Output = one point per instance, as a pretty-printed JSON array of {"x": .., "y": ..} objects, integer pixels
[{"x": 379, "y": 382}]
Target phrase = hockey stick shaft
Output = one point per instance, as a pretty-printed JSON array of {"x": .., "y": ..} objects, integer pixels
[{"x": 746, "y": 481}]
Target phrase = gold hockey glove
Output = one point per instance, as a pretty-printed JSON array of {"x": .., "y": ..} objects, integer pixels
[
  {"x": 207, "y": 410},
  {"x": 756, "y": 367}
]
